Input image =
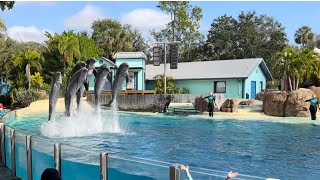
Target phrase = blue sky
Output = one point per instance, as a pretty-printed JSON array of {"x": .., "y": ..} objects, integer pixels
[{"x": 29, "y": 20}]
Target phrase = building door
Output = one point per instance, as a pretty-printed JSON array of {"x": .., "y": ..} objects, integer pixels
[{"x": 253, "y": 90}]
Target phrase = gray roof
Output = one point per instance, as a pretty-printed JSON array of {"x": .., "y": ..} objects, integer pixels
[
  {"x": 130, "y": 55},
  {"x": 219, "y": 69}
]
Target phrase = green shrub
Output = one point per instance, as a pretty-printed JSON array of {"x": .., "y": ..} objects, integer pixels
[
  {"x": 25, "y": 97},
  {"x": 183, "y": 91},
  {"x": 36, "y": 80},
  {"x": 46, "y": 87}
]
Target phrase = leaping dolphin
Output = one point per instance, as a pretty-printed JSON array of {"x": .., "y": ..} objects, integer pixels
[
  {"x": 91, "y": 70},
  {"x": 102, "y": 73},
  {"x": 121, "y": 75},
  {"x": 76, "y": 81},
  {"x": 54, "y": 93}
]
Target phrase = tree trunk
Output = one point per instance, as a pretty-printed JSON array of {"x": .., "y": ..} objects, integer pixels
[
  {"x": 28, "y": 74},
  {"x": 297, "y": 84},
  {"x": 290, "y": 85},
  {"x": 294, "y": 84}
]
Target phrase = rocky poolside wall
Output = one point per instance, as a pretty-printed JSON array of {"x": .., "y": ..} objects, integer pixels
[{"x": 288, "y": 104}]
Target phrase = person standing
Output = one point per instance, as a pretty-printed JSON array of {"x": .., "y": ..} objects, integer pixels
[
  {"x": 314, "y": 105},
  {"x": 212, "y": 102}
]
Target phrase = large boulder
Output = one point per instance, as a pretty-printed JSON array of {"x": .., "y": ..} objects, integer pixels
[
  {"x": 200, "y": 104},
  {"x": 315, "y": 90},
  {"x": 259, "y": 96},
  {"x": 274, "y": 103},
  {"x": 230, "y": 105},
  {"x": 296, "y": 105}
]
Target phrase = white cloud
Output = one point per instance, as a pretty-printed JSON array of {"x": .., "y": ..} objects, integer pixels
[
  {"x": 84, "y": 18},
  {"x": 146, "y": 19},
  {"x": 27, "y": 33}
]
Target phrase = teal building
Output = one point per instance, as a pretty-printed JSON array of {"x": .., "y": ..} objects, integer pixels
[
  {"x": 137, "y": 70},
  {"x": 238, "y": 78}
]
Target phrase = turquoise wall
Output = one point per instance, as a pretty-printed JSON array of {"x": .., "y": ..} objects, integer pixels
[
  {"x": 233, "y": 86},
  {"x": 133, "y": 63},
  {"x": 256, "y": 75}
]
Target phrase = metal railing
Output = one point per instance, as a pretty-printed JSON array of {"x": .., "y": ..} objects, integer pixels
[{"x": 107, "y": 167}]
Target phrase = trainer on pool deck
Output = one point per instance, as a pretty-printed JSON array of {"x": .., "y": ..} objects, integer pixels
[
  {"x": 314, "y": 105},
  {"x": 186, "y": 168},
  {"x": 212, "y": 102}
]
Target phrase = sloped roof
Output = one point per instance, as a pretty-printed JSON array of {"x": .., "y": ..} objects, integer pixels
[
  {"x": 103, "y": 60},
  {"x": 130, "y": 55},
  {"x": 219, "y": 69}
]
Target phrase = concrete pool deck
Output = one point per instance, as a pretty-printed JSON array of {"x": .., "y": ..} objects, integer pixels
[{"x": 254, "y": 113}]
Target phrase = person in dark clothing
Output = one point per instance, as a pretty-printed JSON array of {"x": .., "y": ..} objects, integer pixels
[
  {"x": 50, "y": 174},
  {"x": 314, "y": 105},
  {"x": 212, "y": 102}
]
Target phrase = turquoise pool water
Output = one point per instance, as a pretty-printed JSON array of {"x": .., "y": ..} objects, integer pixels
[{"x": 255, "y": 147}]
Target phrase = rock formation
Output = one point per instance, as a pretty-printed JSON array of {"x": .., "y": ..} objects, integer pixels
[
  {"x": 274, "y": 103},
  {"x": 288, "y": 104},
  {"x": 230, "y": 105}
]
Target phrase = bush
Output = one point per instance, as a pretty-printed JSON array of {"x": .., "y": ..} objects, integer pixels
[
  {"x": 46, "y": 87},
  {"x": 36, "y": 80},
  {"x": 25, "y": 97},
  {"x": 182, "y": 91}
]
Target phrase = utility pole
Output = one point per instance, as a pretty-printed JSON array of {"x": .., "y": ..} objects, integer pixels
[{"x": 165, "y": 60}]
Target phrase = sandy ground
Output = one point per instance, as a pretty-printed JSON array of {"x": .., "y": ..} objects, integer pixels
[{"x": 42, "y": 106}]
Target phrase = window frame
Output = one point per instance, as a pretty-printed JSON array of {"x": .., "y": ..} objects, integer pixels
[{"x": 215, "y": 86}]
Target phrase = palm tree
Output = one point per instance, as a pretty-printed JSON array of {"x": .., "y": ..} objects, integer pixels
[
  {"x": 298, "y": 65},
  {"x": 119, "y": 40},
  {"x": 68, "y": 46},
  {"x": 304, "y": 36},
  {"x": 28, "y": 60}
]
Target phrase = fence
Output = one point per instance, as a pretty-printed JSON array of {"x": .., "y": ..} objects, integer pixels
[{"x": 28, "y": 156}]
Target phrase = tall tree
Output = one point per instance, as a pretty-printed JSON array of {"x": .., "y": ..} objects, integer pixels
[
  {"x": 184, "y": 26},
  {"x": 6, "y": 4},
  {"x": 67, "y": 45},
  {"x": 248, "y": 36},
  {"x": 111, "y": 36},
  {"x": 87, "y": 47},
  {"x": 304, "y": 36},
  {"x": 27, "y": 61},
  {"x": 221, "y": 38}
]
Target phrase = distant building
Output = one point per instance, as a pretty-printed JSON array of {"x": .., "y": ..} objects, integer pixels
[
  {"x": 233, "y": 78},
  {"x": 136, "y": 61}
]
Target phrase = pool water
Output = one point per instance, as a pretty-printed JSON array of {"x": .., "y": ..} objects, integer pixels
[{"x": 256, "y": 147}]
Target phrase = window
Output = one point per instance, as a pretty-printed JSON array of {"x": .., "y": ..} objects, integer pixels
[
  {"x": 261, "y": 86},
  {"x": 219, "y": 87}
]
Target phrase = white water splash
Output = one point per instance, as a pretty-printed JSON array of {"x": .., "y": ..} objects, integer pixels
[{"x": 83, "y": 122}]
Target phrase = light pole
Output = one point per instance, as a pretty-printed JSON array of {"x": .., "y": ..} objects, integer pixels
[{"x": 165, "y": 60}]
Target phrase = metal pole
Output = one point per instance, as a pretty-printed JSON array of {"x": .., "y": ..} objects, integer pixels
[
  {"x": 165, "y": 65},
  {"x": 29, "y": 156},
  {"x": 104, "y": 166},
  {"x": 174, "y": 173},
  {"x": 57, "y": 158},
  {"x": 13, "y": 153},
  {"x": 2, "y": 144}
]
